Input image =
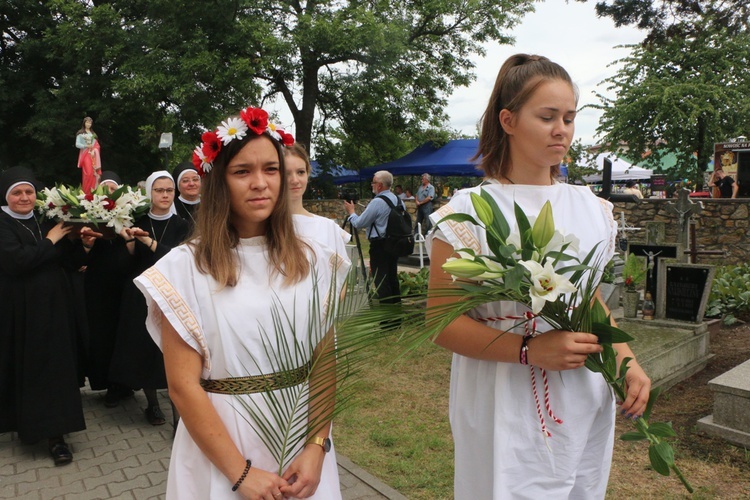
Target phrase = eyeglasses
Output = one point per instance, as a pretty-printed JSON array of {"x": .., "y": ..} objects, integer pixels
[{"x": 163, "y": 190}]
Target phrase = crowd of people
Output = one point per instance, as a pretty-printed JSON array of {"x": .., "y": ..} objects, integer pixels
[{"x": 226, "y": 274}]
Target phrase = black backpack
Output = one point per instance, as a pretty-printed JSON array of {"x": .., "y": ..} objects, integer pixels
[{"x": 399, "y": 239}]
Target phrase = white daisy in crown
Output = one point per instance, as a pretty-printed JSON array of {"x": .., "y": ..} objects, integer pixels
[{"x": 231, "y": 128}]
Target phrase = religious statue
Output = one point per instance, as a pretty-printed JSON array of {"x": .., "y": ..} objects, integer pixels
[{"x": 89, "y": 159}]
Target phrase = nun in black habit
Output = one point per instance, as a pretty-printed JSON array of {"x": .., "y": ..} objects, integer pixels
[
  {"x": 189, "y": 190},
  {"x": 105, "y": 278},
  {"x": 137, "y": 361},
  {"x": 39, "y": 387}
]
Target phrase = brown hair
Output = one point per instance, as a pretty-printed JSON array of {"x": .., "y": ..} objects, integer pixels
[
  {"x": 215, "y": 238},
  {"x": 519, "y": 76},
  {"x": 299, "y": 151},
  {"x": 83, "y": 127}
]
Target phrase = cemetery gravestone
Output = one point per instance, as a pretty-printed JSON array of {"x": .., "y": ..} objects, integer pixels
[{"x": 683, "y": 291}]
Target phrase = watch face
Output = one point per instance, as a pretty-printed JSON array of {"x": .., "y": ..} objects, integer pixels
[{"x": 327, "y": 445}]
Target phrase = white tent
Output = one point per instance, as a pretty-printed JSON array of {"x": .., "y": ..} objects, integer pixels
[{"x": 621, "y": 170}]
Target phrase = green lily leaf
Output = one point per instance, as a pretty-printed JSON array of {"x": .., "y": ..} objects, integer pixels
[
  {"x": 662, "y": 429},
  {"x": 593, "y": 363},
  {"x": 609, "y": 334},
  {"x": 483, "y": 209},
  {"x": 458, "y": 218},
  {"x": 598, "y": 314},
  {"x": 544, "y": 226},
  {"x": 633, "y": 436},
  {"x": 514, "y": 277},
  {"x": 500, "y": 225},
  {"x": 662, "y": 457},
  {"x": 652, "y": 397}
]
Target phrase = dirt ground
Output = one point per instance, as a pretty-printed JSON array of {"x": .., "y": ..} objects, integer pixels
[{"x": 715, "y": 468}]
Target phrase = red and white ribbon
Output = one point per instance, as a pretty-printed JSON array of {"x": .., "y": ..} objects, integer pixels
[{"x": 530, "y": 329}]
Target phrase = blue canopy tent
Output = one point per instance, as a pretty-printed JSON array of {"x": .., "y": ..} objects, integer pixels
[
  {"x": 453, "y": 159},
  {"x": 339, "y": 174}
]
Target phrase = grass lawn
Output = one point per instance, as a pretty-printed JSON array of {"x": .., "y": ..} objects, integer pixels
[{"x": 399, "y": 431}]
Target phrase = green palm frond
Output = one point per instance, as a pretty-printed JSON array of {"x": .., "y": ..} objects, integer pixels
[{"x": 339, "y": 335}]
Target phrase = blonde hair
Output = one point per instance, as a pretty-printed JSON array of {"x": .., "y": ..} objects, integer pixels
[
  {"x": 518, "y": 78},
  {"x": 215, "y": 239}
]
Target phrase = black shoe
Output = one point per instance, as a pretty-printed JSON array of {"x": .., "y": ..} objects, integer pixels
[
  {"x": 60, "y": 452},
  {"x": 112, "y": 398},
  {"x": 155, "y": 416}
]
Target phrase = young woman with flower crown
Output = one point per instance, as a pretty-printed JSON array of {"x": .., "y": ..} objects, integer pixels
[
  {"x": 501, "y": 449},
  {"x": 212, "y": 304}
]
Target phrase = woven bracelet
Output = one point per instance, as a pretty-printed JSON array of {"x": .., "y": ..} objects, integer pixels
[
  {"x": 248, "y": 463},
  {"x": 523, "y": 355}
]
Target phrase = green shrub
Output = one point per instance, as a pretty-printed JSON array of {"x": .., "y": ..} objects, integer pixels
[
  {"x": 634, "y": 271},
  {"x": 730, "y": 294},
  {"x": 414, "y": 283}
]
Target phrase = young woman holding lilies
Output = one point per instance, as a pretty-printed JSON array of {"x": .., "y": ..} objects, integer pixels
[
  {"x": 504, "y": 446},
  {"x": 213, "y": 306}
]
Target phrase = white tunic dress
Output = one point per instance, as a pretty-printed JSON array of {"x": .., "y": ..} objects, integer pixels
[
  {"x": 322, "y": 230},
  {"x": 500, "y": 449},
  {"x": 233, "y": 330}
]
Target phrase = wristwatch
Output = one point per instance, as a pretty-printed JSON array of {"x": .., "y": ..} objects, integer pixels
[{"x": 324, "y": 443}]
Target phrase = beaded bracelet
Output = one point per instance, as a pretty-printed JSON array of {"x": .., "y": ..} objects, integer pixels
[
  {"x": 243, "y": 476},
  {"x": 150, "y": 247},
  {"x": 524, "y": 354}
]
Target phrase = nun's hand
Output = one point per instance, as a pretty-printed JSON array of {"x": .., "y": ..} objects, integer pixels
[
  {"x": 89, "y": 236},
  {"x": 58, "y": 232}
]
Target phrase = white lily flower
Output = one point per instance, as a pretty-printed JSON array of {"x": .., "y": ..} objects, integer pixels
[{"x": 546, "y": 284}]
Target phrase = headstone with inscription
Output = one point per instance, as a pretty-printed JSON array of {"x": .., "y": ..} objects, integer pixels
[{"x": 683, "y": 291}]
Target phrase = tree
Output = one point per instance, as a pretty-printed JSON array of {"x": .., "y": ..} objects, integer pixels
[
  {"x": 679, "y": 96},
  {"x": 670, "y": 18},
  {"x": 580, "y": 162},
  {"x": 374, "y": 73}
]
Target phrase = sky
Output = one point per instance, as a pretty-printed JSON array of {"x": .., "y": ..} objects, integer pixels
[{"x": 569, "y": 34}]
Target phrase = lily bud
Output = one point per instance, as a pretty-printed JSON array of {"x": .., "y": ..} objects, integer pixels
[
  {"x": 544, "y": 226},
  {"x": 464, "y": 268},
  {"x": 483, "y": 209}
]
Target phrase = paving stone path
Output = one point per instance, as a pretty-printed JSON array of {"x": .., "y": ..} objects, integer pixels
[{"x": 120, "y": 455}]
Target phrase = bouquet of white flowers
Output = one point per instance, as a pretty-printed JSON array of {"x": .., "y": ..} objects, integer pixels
[
  {"x": 116, "y": 210},
  {"x": 536, "y": 265}
]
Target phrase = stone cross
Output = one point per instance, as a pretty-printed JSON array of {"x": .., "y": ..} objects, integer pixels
[{"x": 685, "y": 209}]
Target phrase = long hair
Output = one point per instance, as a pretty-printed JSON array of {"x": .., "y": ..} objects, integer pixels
[
  {"x": 519, "y": 76},
  {"x": 83, "y": 127},
  {"x": 215, "y": 238}
]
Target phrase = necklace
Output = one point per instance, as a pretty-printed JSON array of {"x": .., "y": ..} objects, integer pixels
[
  {"x": 39, "y": 229},
  {"x": 507, "y": 179},
  {"x": 151, "y": 221},
  {"x": 188, "y": 209}
]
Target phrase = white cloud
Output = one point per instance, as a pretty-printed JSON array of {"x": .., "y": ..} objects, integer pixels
[{"x": 567, "y": 33}]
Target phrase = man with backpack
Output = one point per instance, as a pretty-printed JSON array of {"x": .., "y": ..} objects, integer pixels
[{"x": 383, "y": 255}]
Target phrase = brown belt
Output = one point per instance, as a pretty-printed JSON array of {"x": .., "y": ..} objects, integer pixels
[{"x": 257, "y": 383}]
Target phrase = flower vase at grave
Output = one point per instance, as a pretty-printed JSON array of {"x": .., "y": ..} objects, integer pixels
[{"x": 630, "y": 303}]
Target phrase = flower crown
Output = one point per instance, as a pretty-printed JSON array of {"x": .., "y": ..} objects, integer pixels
[{"x": 251, "y": 119}]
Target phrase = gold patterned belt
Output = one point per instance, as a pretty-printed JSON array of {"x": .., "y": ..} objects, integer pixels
[{"x": 257, "y": 383}]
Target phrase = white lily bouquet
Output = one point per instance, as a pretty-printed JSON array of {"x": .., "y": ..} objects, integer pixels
[
  {"x": 537, "y": 266},
  {"x": 116, "y": 210}
]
